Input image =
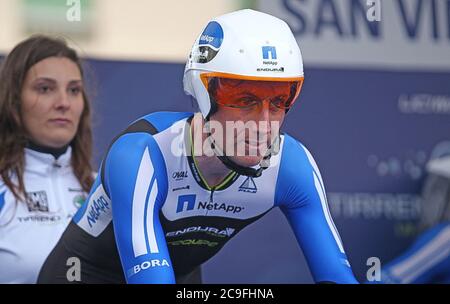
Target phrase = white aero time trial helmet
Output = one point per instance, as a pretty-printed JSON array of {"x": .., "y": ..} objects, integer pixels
[{"x": 245, "y": 45}]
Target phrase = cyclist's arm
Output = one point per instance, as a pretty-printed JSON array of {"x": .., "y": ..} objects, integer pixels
[
  {"x": 301, "y": 196},
  {"x": 135, "y": 180}
]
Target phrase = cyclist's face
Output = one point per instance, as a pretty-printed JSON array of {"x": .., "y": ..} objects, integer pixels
[
  {"x": 250, "y": 130},
  {"x": 239, "y": 93},
  {"x": 52, "y": 101}
]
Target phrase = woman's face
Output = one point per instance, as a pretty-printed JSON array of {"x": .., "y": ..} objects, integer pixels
[{"x": 52, "y": 101}]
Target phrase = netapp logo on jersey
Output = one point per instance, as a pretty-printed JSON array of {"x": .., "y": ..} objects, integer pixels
[
  {"x": 97, "y": 207},
  {"x": 146, "y": 265},
  {"x": 188, "y": 202},
  {"x": 218, "y": 206},
  {"x": 209, "y": 230}
]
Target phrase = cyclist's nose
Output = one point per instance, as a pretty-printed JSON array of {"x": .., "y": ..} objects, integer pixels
[{"x": 263, "y": 118}]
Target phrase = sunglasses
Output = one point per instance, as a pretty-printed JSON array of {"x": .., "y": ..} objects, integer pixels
[{"x": 245, "y": 92}]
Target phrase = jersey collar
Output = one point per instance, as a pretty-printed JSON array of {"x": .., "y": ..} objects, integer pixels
[{"x": 43, "y": 162}]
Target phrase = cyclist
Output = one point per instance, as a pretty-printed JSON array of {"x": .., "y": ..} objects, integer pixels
[{"x": 174, "y": 188}]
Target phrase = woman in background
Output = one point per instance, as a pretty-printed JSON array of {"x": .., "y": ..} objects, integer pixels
[{"x": 45, "y": 152}]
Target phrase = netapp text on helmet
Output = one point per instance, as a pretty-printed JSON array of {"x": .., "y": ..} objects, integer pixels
[
  {"x": 207, "y": 38},
  {"x": 270, "y": 62}
]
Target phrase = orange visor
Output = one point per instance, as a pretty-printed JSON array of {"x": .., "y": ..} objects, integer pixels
[{"x": 245, "y": 92}]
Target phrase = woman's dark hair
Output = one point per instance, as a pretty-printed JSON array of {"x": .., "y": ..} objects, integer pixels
[{"x": 13, "y": 137}]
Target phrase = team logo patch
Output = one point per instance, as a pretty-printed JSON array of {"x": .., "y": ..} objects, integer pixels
[
  {"x": 269, "y": 60},
  {"x": 37, "y": 201},
  {"x": 186, "y": 202},
  {"x": 269, "y": 52},
  {"x": 209, "y": 43},
  {"x": 248, "y": 186},
  {"x": 78, "y": 200}
]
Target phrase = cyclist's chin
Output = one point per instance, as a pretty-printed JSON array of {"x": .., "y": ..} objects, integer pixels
[{"x": 246, "y": 161}]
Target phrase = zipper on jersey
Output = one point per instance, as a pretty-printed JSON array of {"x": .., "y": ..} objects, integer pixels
[
  {"x": 211, "y": 200},
  {"x": 211, "y": 195},
  {"x": 55, "y": 171}
]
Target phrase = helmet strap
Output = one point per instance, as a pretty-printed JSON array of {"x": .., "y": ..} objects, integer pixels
[{"x": 242, "y": 170}]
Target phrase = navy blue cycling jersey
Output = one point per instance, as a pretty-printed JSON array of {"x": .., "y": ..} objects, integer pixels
[{"x": 151, "y": 208}]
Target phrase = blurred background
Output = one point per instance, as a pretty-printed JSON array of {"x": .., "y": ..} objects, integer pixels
[{"x": 374, "y": 110}]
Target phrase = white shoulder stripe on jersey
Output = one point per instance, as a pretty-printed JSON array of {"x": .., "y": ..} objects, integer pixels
[
  {"x": 318, "y": 182},
  {"x": 150, "y": 225},
  {"x": 144, "y": 177},
  {"x": 313, "y": 164},
  {"x": 327, "y": 207},
  {"x": 327, "y": 213},
  {"x": 431, "y": 254}
]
